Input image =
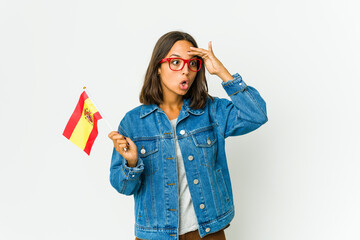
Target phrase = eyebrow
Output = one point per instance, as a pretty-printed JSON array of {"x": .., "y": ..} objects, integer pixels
[{"x": 180, "y": 56}]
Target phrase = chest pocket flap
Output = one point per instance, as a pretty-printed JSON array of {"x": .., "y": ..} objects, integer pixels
[
  {"x": 206, "y": 143},
  {"x": 148, "y": 151},
  {"x": 205, "y": 138}
]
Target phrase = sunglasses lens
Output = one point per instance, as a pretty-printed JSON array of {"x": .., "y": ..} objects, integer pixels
[
  {"x": 176, "y": 64},
  {"x": 195, "y": 65}
]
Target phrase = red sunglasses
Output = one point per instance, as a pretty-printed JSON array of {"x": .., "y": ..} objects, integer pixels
[{"x": 177, "y": 64}]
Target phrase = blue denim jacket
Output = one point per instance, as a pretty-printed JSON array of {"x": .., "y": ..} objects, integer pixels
[{"x": 201, "y": 135}]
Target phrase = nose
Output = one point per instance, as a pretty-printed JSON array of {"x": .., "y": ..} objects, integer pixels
[{"x": 185, "y": 69}]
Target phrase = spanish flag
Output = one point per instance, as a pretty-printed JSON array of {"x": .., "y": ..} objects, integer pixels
[{"x": 81, "y": 129}]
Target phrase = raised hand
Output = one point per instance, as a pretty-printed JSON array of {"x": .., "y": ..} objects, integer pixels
[{"x": 212, "y": 64}]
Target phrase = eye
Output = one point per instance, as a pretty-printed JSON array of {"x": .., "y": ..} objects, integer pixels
[
  {"x": 193, "y": 63},
  {"x": 175, "y": 62}
]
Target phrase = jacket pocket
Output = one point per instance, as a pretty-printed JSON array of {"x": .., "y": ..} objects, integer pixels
[
  {"x": 225, "y": 199},
  {"x": 142, "y": 218},
  {"x": 148, "y": 151},
  {"x": 206, "y": 142}
]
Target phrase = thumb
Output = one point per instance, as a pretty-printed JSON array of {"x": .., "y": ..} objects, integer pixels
[{"x": 210, "y": 46}]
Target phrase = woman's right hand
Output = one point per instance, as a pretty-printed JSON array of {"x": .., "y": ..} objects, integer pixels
[{"x": 125, "y": 146}]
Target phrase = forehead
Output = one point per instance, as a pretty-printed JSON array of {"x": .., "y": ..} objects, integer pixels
[{"x": 180, "y": 48}]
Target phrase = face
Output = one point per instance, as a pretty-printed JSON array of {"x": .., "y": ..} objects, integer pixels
[{"x": 177, "y": 82}]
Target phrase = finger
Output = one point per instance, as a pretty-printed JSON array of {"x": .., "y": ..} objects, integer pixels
[
  {"x": 127, "y": 142},
  {"x": 121, "y": 150},
  {"x": 122, "y": 145},
  {"x": 118, "y": 137},
  {"x": 210, "y": 47},
  {"x": 111, "y": 134},
  {"x": 130, "y": 143},
  {"x": 195, "y": 54},
  {"x": 120, "y": 141},
  {"x": 117, "y": 148},
  {"x": 198, "y": 50},
  {"x": 198, "y": 54},
  {"x": 201, "y": 53}
]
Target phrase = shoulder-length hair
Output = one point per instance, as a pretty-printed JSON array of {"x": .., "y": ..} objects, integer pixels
[{"x": 151, "y": 92}]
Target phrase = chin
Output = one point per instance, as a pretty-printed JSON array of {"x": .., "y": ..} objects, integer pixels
[{"x": 183, "y": 92}]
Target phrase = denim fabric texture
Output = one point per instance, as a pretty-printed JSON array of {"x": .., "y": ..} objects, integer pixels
[{"x": 201, "y": 134}]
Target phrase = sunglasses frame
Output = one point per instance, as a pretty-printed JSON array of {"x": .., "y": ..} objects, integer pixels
[{"x": 185, "y": 62}]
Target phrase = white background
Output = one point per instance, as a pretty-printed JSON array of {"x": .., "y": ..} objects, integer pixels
[{"x": 297, "y": 177}]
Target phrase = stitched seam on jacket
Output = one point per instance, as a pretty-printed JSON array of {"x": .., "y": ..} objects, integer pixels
[
  {"x": 124, "y": 182},
  {"x": 257, "y": 104},
  {"x": 234, "y": 93},
  {"x": 215, "y": 119},
  {"x": 220, "y": 217},
  {"x": 230, "y": 82},
  {"x": 123, "y": 132}
]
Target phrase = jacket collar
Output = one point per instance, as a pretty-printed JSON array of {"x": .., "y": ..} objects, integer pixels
[
  {"x": 186, "y": 106},
  {"x": 148, "y": 109}
]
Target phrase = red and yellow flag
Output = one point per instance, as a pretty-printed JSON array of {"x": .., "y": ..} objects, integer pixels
[{"x": 81, "y": 129}]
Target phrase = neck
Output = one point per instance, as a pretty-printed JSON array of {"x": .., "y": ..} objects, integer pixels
[
  {"x": 173, "y": 103},
  {"x": 171, "y": 100}
]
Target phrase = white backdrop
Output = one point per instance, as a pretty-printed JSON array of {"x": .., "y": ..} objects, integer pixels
[{"x": 294, "y": 178}]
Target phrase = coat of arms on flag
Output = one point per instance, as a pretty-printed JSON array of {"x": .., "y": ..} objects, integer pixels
[{"x": 81, "y": 129}]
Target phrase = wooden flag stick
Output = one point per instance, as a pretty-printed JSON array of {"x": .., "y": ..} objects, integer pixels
[{"x": 103, "y": 116}]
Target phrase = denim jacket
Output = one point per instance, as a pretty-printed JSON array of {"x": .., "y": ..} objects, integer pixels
[{"x": 201, "y": 135}]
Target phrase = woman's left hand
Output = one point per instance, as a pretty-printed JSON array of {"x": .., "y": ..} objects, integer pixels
[{"x": 212, "y": 64}]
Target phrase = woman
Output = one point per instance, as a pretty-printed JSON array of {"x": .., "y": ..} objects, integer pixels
[{"x": 170, "y": 152}]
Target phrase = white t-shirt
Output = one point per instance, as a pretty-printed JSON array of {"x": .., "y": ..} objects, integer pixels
[{"x": 187, "y": 217}]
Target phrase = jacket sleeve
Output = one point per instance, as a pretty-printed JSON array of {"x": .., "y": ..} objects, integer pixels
[
  {"x": 244, "y": 113},
  {"x": 125, "y": 179}
]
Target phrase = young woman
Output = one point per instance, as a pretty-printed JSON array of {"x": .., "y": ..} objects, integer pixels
[{"x": 170, "y": 152}]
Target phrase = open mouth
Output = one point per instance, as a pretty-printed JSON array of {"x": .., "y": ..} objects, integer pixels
[{"x": 184, "y": 85}]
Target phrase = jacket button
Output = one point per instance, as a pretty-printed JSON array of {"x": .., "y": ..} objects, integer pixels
[
  {"x": 143, "y": 151},
  {"x": 207, "y": 230},
  {"x": 191, "y": 157},
  {"x": 182, "y": 132},
  {"x": 202, "y": 206},
  {"x": 196, "y": 181},
  {"x": 208, "y": 142}
]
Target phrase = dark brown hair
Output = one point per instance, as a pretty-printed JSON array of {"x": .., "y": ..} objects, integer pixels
[{"x": 151, "y": 92}]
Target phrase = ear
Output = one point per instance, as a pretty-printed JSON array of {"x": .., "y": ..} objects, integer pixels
[{"x": 159, "y": 70}]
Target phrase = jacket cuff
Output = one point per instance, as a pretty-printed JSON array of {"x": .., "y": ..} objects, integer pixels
[
  {"x": 234, "y": 86},
  {"x": 132, "y": 173}
]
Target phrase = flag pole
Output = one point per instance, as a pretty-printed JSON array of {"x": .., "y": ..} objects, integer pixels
[
  {"x": 103, "y": 116},
  {"x": 101, "y": 113}
]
